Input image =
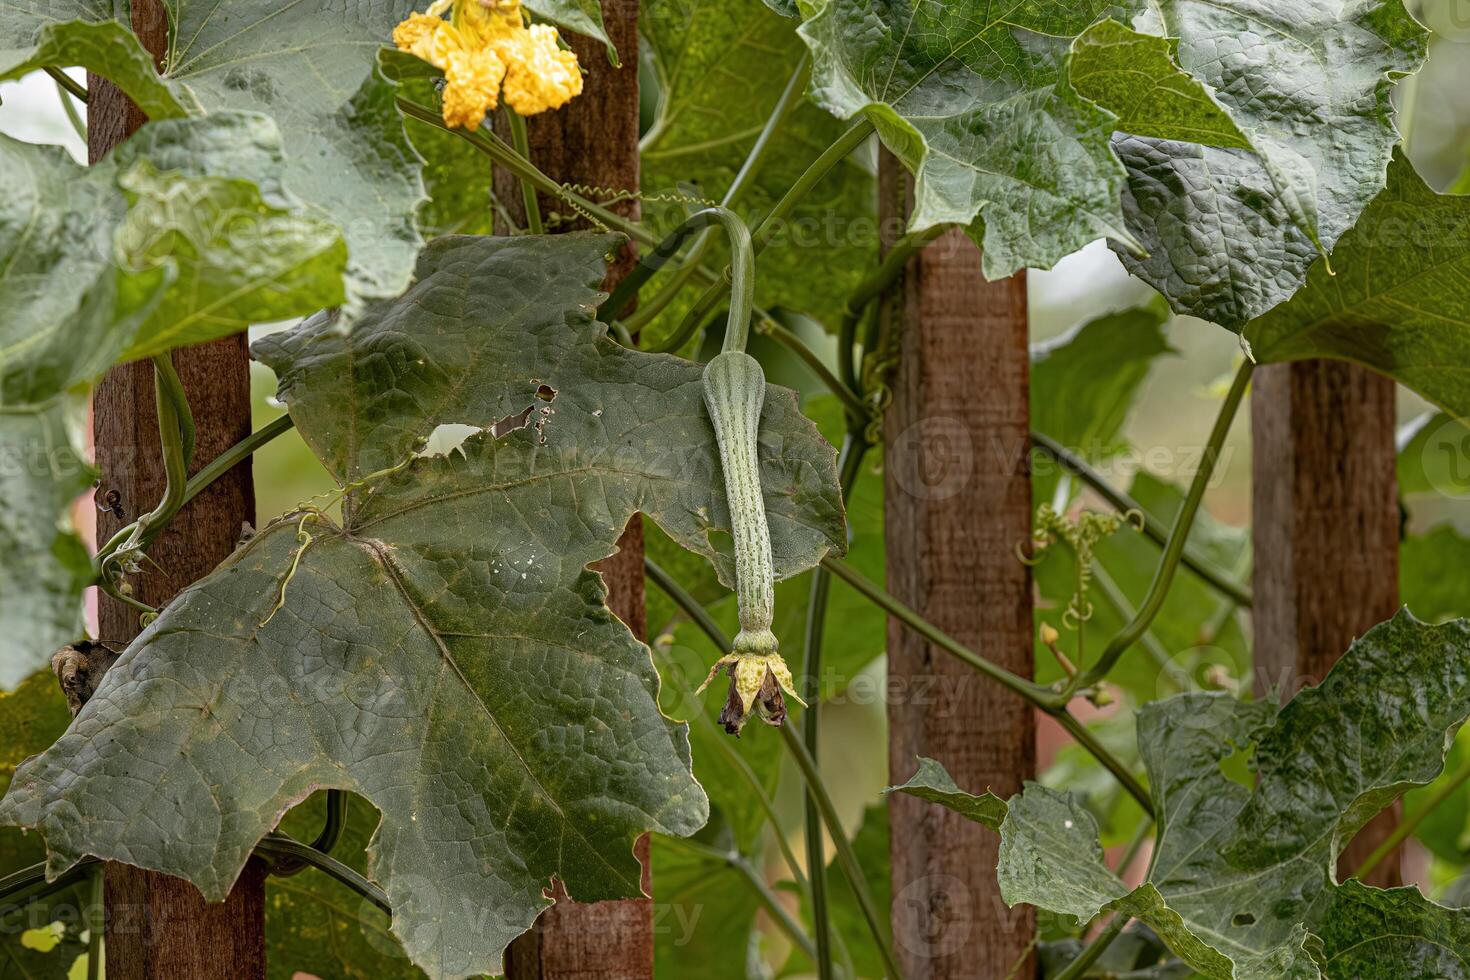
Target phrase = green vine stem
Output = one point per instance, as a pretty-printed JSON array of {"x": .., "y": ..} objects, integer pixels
[
  {"x": 762, "y": 891},
  {"x": 277, "y": 847},
  {"x": 742, "y": 272},
  {"x": 854, "y": 137},
  {"x": 754, "y": 161},
  {"x": 96, "y": 918},
  {"x": 521, "y": 140},
  {"x": 70, "y": 110},
  {"x": 1174, "y": 550},
  {"x": 1078, "y": 968},
  {"x": 67, "y": 82},
  {"x": 1409, "y": 824},
  {"x": 506, "y": 156},
  {"x": 1050, "y": 701},
  {"x": 1151, "y": 526},
  {"x": 854, "y": 448},
  {"x": 850, "y": 869},
  {"x": 331, "y": 832},
  {"x": 857, "y": 412},
  {"x": 874, "y": 285},
  {"x": 846, "y": 859},
  {"x": 211, "y": 472}
]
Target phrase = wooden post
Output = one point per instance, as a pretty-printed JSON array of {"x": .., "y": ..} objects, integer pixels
[
  {"x": 159, "y": 927},
  {"x": 958, "y": 503},
  {"x": 594, "y": 141},
  {"x": 1326, "y": 533}
]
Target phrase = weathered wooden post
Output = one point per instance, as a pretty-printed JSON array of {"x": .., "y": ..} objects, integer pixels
[{"x": 958, "y": 493}]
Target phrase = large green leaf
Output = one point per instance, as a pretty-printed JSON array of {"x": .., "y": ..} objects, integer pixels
[
  {"x": 1230, "y": 233},
  {"x": 445, "y": 652},
  {"x": 45, "y": 566},
  {"x": 1370, "y": 934},
  {"x": 180, "y": 236},
  {"x": 706, "y": 912},
  {"x": 973, "y": 98},
  {"x": 722, "y": 67},
  {"x": 1243, "y": 878},
  {"x": 314, "y": 72},
  {"x": 933, "y": 784},
  {"x": 1394, "y": 299}
]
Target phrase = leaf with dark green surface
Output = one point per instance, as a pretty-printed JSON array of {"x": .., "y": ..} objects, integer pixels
[
  {"x": 500, "y": 717},
  {"x": 934, "y": 784},
  {"x": 1229, "y": 233},
  {"x": 1395, "y": 934},
  {"x": 976, "y": 103},
  {"x": 316, "y": 926},
  {"x": 1444, "y": 829},
  {"x": 1242, "y": 882},
  {"x": 1084, "y": 382},
  {"x": 32, "y": 716},
  {"x": 1397, "y": 301},
  {"x": 1134, "y": 76},
  {"x": 723, "y": 67}
]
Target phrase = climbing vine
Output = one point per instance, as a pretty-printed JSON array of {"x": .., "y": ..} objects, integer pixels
[{"x": 429, "y": 640}]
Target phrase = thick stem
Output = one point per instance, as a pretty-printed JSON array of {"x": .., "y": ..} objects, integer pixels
[
  {"x": 67, "y": 82},
  {"x": 1174, "y": 550},
  {"x": 1078, "y": 968},
  {"x": 522, "y": 142}
]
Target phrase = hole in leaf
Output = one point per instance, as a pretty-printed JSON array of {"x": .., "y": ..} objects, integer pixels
[{"x": 1243, "y": 919}]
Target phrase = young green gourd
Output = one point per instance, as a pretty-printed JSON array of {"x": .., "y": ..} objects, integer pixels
[{"x": 734, "y": 395}]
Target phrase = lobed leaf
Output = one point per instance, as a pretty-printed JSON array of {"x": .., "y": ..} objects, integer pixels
[
  {"x": 933, "y": 783},
  {"x": 1230, "y": 234},
  {"x": 445, "y": 652},
  {"x": 1242, "y": 883},
  {"x": 974, "y": 99},
  {"x": 1394, "y": 299}
]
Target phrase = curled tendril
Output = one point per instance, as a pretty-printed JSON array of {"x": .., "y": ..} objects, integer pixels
[{"x": 1081, "y": 535}]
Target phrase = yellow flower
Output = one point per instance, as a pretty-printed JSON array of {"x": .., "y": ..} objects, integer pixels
[
  {"x": 486, "y": 44},
  {"x": 757, "y": 679}
]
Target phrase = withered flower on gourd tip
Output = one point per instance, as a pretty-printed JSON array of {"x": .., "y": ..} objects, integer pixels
[
  {"x": 757, "y": 681},
  {"x": 486, "y": 49}
]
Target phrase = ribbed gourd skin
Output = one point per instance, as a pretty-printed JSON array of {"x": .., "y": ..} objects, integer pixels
[{"x": 734, "y": 394}]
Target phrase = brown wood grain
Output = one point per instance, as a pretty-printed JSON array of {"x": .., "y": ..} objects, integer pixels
[
  {"x": 958, "y": 503},
  {"x": 593, "y": 141},
  {"x": 1326, "y": 529},
  {"x": 157, "y": 926}
]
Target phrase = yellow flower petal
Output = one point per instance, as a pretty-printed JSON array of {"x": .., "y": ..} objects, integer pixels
[
  {"x": 540, "y": 75},
  {"x": 474, "y": 83}
]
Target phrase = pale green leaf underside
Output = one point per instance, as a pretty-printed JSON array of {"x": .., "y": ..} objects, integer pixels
[
  {"x": 313, "y": 71},
  {"x": 121, "y": 261},
  {"x": 974, "y": 100},
  {"x": 1399, "y": 301},
  {"x": 1230, "y": 234},
  {"x": 45, "y": 566},
  {"x": 445, "y": 653},
  {"x": 931, "y": 782}
]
